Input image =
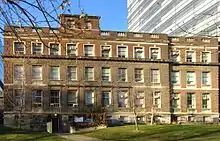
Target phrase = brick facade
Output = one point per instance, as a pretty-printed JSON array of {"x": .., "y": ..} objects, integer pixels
[{"x": 82, "y": 35}]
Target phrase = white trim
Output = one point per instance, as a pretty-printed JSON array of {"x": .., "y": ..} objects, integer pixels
[
  {"x": 209, "y": 56},
  {"x": 93, "y": 51},
  {"x": 159, "y": 51},
  {"x": 76, "y": 48},
  {"x": 110, "y": 52},
  {"x": 59, "y": 45},
  {"x": 179, "y": 56},
  {"x": 122, "y": 45},
  {"x": 193, "y": 55},
  {"x": 19, "y": 42},
  {"x": 209, "y": 79},
  {"x": 50, "y": 66},
  {"x": 195, "y": 47},
  {"x": 40, "y": 74},
  {"x": 67, "y": 72},
  {"x": 42, "y": 47},
  {"x": 143, "y": 49}
]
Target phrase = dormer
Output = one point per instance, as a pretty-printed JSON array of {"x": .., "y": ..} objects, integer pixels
[{"x": 82, "y": 21}]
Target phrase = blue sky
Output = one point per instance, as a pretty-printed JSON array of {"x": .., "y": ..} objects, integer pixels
[{"x": 113, "y": 12}]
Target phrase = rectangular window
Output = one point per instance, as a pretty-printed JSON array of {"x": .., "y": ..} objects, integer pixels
[
  {"x": 155, "y": 76},
  {"x": 54, "y": 49},
  {"x": 37, "y": 98},
  {"x": 123, "y": 99},
  {"x": 190, "y": 56},
  {"x": 19, "y": 48},
  {"x": 122, "y": 51},
  {"x": 138, "y": 52},
  {"x": 154, "y": 53},
  {"x": 71, "y": 73},
  {"x": 72, "y": 98},
  {"x": 55, "y": 73},
  {"x": 176, "y": 101},
  {"x": 175, "y": 56},
  {"x": 122, "y": 75},
  {"x": 18, "y": 72},
  {"x": 191, "y": 101},
  {"x": 206, "y": 102},
  {"x": 206, "y": 78},
  {"x": 106, "y": 98},
  {"x": 105, "y": 51},
  {"x": 89, "y": 98},
  {"x": 54, "y": 98},
  {"x": 205, "y": 57},
  {"x": 71, "y": 49},
  {"x": 89, "y": 50},
  {"x": 36, "y": 48},
  {"x": 190, "y": 78},
  {"x": 89, "y": 73},
  {"x": 37, "y": 72},
  {"x": 140, "y": 99},
  {"x": 139, "y": 75},
  {"x": 157, "y": 99},
  {"x": 19, "y": 97},
  {"x": 175, "y": 77},
  {"x": 106, "y": 74}
]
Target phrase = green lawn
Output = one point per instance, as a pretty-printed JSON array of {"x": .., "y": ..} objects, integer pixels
[
  {"x": 159, "y": 133},
  {"x": 7, "y": 134}
]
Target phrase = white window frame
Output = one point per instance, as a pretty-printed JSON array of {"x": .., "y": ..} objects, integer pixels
[
  {"x": 40, "y": 72},
  {"x": 140, "y": 98},
  {"x": 176, "y": 96},
  {"x": 193, "y": 55},
  {"x": 59, "y": 45},
  {"x": 36, "y": 104},
  {"x": 193, "y": 106},
  {"x": 173, "y": 54},
  {"x": 42, "y": 48},
  {"x": 23, "y": 75},
  {"x": 68, "y": 77},
  {"x": 208, "y": 78},
  {"x": 58, "y": 73},
  {"x": 142, "y": 74},
  {"x": 209, "y": 104},
  {"x": 55, "y": 105},
  {"x": 194, "y": 78},
  {"x": 92, "y": 98},
  {"x": 93, "y": 50},
  {"x": 72, "y": 104},
  {"x": 152, "y": 76},
  {"x": 109, "y": 98},
  {"x": 209, "y": 56},
  {"x": 119, "y": 80},
  {"x": 134, "y": 52},
  {"x": 93, "y": 75},
  {"x": 19, "y": 42},
  {"x": 124, "y": 97},
  {"x": 110, "y": 49},
  {"x": 157, "y": 95},
  {"x": 76, "y": 48},
  {"x": 177, "y": 76},
  {"x": 109, "y": 69},
  {"x": 159, "y": 52},
  {"x": 126, "y": 51}
]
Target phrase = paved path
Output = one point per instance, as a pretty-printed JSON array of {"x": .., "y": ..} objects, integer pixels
[{"x": 75, "y": 137}]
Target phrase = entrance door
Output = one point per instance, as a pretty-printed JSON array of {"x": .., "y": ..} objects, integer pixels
[
  {"x": 1, "y": 117},
  {"x": 55, "y": 124}
]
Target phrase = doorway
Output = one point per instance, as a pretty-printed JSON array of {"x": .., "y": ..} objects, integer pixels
[{"x": 55, "y": 124}]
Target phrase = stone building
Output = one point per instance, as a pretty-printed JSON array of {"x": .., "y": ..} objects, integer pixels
[{"x": 78, "y": 68}]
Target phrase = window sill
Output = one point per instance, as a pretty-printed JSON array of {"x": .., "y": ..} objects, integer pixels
[
  {"x": 155, "y": 83},
  {"x": 208, "y": 85},
  {"x": 56, "y": 80},
  {"x": 193, "y": 85}
]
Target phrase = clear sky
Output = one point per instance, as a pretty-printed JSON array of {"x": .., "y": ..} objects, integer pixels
[{"x": 113, "y": 12}]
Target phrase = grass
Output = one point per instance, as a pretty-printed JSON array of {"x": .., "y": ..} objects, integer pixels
[
  {"x": 8, "y": 134},
  {"x": 159, "y": 133}
]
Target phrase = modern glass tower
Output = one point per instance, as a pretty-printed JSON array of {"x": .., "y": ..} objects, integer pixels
[{"x": 175, "y": 17}]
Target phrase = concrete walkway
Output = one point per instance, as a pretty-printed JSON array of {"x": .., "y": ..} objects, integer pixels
[{"x": 74, "y": 137}]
